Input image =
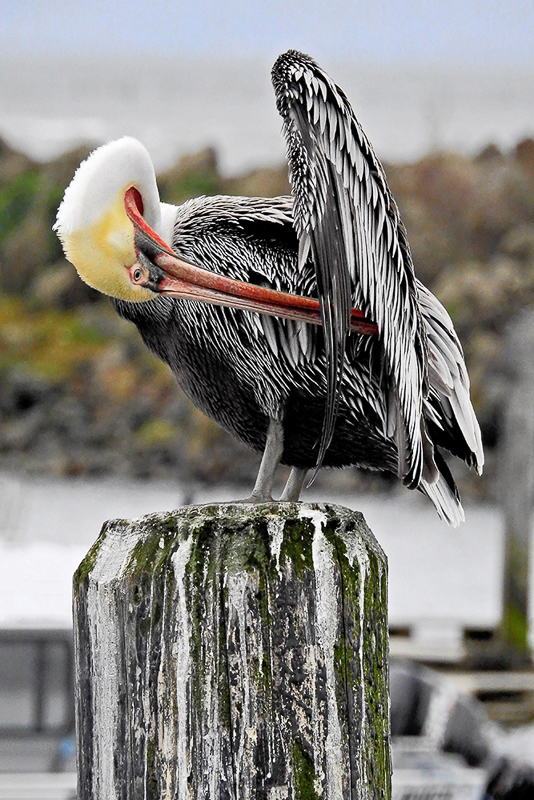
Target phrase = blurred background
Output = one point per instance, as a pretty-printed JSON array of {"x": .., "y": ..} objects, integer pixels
[{"x": 92, "y": 426}]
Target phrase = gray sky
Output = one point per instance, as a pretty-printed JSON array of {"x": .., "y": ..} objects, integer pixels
[{"x": 418, "y": 32}]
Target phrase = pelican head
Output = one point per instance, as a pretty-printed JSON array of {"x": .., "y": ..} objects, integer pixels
[{"x": 95, "y": 230}]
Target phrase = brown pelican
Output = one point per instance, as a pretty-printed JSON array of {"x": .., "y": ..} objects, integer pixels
[{"x": 384, "y": 388}]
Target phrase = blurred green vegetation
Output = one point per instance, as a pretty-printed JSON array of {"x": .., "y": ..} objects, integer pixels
[{"x": 79, "y": 393}]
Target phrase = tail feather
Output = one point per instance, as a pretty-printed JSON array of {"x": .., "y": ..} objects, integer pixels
[{"x": 444, "y": 494}]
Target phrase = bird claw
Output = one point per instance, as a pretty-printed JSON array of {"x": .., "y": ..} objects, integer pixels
[{"x": 255, "y": 499}]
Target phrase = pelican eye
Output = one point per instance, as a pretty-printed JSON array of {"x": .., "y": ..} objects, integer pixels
[{"x": 137, "y": 275}]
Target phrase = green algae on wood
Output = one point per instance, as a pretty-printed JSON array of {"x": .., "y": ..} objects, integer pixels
[{"x": 236, "y": 651}]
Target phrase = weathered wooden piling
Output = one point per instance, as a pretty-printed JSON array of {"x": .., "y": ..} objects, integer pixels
[
  {"x": 516, "y": 472},
  {"x": 233, "y": 651}
]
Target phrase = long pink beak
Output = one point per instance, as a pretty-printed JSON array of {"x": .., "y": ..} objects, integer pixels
[{"x": 187, "y": 282}]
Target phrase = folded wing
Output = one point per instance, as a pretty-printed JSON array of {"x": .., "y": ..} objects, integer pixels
[{"x": 448, "y": 409}]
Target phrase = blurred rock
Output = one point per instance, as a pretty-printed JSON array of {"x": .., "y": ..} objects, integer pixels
[
  {"x": 193, "y": 175},
  {"x": 524, "y": 154},
  {"x": 519, "y": 244},
  {"x": 12, "y": 163},
  {"x": 266, "y": 182},
  {"x": 490, "y": 153},
  {"x": 61, "y": 170},
  {"x": 59, "y": 286}
]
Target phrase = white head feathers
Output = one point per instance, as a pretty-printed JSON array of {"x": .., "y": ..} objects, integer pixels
[
  {"x": 97, "y": 181},
  {"x": 96, "y": 233}
]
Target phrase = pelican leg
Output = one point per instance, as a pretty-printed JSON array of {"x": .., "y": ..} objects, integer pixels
[
  {"x": 274, "y": 447},
  {"x": 294, "y": 485}
]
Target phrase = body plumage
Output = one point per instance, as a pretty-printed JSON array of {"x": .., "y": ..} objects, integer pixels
[
  {"x": 243, "y": 369},
  {"x": 306, "y": 394}
]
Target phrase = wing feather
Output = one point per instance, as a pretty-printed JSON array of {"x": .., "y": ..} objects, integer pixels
[
  {"x": 449, "y": 384},
  {"x": 344, "y": 208}
]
